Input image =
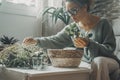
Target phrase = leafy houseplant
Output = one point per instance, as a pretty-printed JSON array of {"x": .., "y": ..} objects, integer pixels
[
  {"x": 8, "y": 40},
  {"x": 57, "y": 13}
]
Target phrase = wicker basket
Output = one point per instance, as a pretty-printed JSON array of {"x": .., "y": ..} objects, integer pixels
[{"x": 65, "y": 58}]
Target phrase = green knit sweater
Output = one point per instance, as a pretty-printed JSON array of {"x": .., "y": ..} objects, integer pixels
[{"x": 102, "y": 41}]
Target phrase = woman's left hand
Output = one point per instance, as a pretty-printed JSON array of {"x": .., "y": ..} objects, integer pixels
[{"x": 80, "y": 42}]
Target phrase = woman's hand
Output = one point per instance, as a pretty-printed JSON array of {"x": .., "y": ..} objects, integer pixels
[
  {"x": 80, "y": 42},
  {"x": 29, "y": 40}
]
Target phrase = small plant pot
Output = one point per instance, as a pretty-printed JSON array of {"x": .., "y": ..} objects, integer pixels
[{"x": 65, "y": 58}]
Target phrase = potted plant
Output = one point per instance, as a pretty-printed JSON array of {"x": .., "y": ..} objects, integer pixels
[
  {"x": 7, "y": 41},
  {"x": 57, "y": 13}
]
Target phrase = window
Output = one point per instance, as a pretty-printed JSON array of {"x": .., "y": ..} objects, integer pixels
[
  {"x": 0, "y": 1},
  {"x": 20, "y": 7},
  {"x": 26, "y": 2}
]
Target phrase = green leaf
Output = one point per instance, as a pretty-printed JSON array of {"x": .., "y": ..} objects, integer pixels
[
  {"x": 67, "y": 19},
  {"x": 57, "y": 13},
  {"x": 53, "y": 15},
  {"x": 62, "y": 18},
  {"x": 7, "y": 40}
]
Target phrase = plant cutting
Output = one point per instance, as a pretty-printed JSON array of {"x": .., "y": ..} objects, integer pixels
[
  {"x": 73, "y": 30},
  {"x": 57, "y": 13}
]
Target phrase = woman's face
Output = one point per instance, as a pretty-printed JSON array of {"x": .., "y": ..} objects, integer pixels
[{"x": 76, "y": 12}]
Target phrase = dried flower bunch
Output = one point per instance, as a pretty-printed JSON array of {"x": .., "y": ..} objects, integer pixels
[{"x": 18, "y": 55}]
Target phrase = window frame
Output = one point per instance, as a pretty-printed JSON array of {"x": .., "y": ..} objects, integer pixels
[{"x": 18, "y": 9}]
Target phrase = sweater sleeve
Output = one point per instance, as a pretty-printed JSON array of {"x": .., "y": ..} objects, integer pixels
[
  {"x": 60, "y": 40},
  {"x": 107, "y": 45}
]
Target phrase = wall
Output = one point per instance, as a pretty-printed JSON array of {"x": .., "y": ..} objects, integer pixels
[
  {"x": 21, "y": 26},
  {"x": 18, "y": 26}
]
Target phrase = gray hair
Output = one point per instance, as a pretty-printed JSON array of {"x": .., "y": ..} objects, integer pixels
[{"x": 81, "y": 3}]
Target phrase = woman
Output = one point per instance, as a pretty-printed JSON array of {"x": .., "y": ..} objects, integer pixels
[{"x": 98, "y": 48}]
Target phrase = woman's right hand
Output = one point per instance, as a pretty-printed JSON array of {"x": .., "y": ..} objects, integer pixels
[
  {"x": 80, "y": 42},
  {"x": 29, "y": 40}
]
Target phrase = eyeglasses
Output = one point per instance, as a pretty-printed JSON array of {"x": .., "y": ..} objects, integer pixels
[{"x": 73, "y": 11}]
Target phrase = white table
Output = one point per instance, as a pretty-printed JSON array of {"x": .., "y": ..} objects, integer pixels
[{"x": 50, "y": 73}]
